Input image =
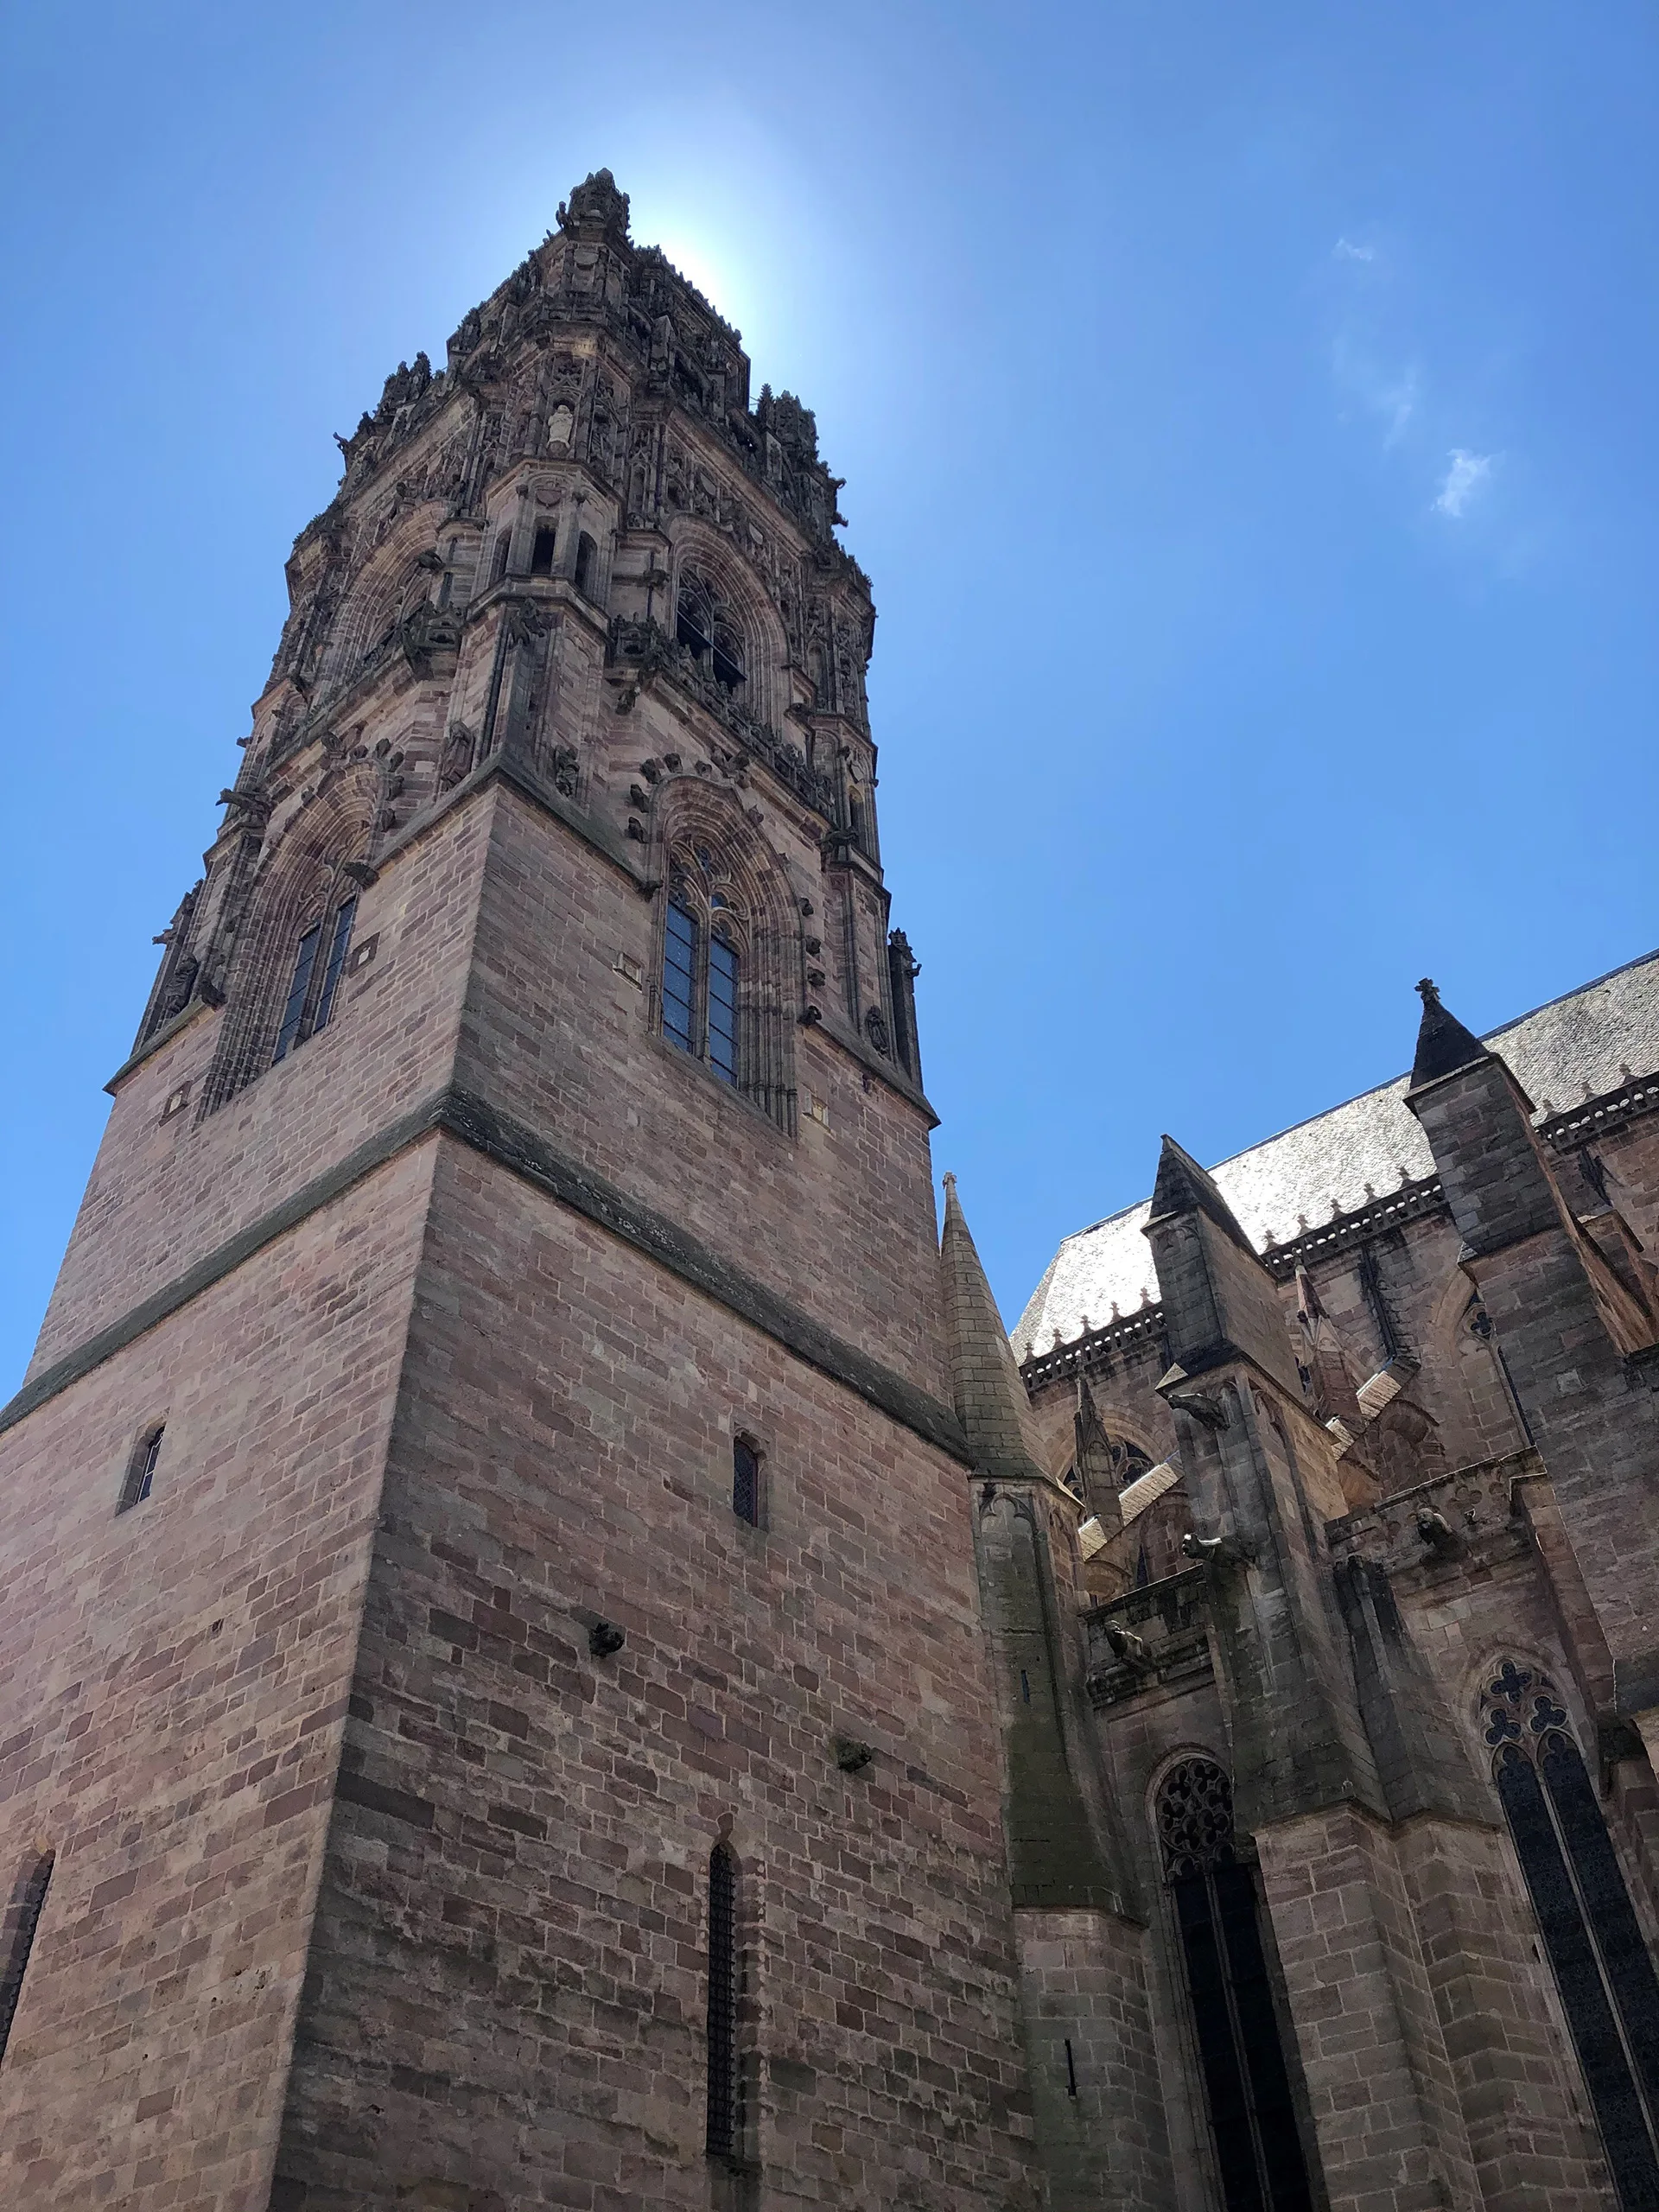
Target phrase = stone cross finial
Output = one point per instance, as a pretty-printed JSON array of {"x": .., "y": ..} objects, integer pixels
[{"x": 1429, "y": 991}]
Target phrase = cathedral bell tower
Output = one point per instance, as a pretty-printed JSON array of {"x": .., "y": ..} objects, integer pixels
[{"x": 494, "y": 1708}]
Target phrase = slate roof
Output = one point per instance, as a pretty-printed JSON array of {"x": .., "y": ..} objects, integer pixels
[{"x": 1583, "y": 1045}]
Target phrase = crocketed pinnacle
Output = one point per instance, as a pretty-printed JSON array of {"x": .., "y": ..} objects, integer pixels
[
  {"x": 1444, "y": 1045},
  {"x": 990, "y": 1398},
  {"x": 1185, "y": 1187}
]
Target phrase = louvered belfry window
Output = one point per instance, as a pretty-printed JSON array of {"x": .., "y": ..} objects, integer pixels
[
  {"x": 1602, "y": 1966},
  {"x": 1258, "y": 2145}
]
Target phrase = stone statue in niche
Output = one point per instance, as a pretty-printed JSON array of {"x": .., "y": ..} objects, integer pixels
[
  {"x": 456, "y": 759},
  {"x": 560, "y": 424}
]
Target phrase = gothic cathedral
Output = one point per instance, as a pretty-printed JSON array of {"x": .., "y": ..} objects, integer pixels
[{"x": 555, "y": 1654}]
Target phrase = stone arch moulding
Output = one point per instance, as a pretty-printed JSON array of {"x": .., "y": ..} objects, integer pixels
[
  {"x": 302, "y": 874},
  {"x": 701, "y": 826},
  {"x": 394, "y": 578},
  {"x": 695, "y": 547}
]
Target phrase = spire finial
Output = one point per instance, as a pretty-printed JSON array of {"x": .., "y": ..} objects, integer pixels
[{"x": 1444, "y": 1045}]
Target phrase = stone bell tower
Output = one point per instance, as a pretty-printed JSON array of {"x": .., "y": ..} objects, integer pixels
[{"x": 494, "y": 1708}]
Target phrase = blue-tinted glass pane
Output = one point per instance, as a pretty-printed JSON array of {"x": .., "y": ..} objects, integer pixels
[
  {"x": 679, "y": 977},
  {"x": 337, "y": 951},
  {"x": 722, "y": 1010},
  {"x": 147, "y": 1472},
  {"x": 304, "y": 960}
]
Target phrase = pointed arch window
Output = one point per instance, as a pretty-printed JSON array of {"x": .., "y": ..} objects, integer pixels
[
  {"x": 702, "y": 966},
  {"x": 1258, "y": 2144},
  {"x": 1603, "y": 1968},
  {"x": 140, "y": 1477},
  {"x": 705, "y": 626},
  {"x": 315, "y": 977}
]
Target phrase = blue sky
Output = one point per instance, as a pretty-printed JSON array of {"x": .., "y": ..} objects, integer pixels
[{"x": 1247, "y": 415}]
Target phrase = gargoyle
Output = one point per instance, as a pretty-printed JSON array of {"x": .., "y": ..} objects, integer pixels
[
  {"x": 1438, "y": 1533},
  {"x": 1218, "y": 1551}
]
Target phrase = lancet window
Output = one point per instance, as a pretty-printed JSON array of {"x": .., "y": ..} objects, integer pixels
[
  {"x": 704, "y": 625},
  {"x": 1603, "y": 1967},
  {"x": 1259, "y": 2158},
  {"x": 140, "y": 1477},
  {"x": 703, "y": 947},
  {"x": 319, "y": 962}
]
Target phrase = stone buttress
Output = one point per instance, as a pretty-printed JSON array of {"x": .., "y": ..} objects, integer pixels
[{"x": 1084, "y": 2001}]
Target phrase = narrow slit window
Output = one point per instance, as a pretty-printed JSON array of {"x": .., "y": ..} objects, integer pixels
[
  {"x": 746, "y": 1481},
  {"x": 680, "y": 977},
  {"x": 723, "y": 1009},
  {"x": 22, "y": 1918},
  {"x": 542, "y": 552},
  {"x": 141, "y": 1468},
  {"x": 721, "y": 2135},
  {"x": 345, "y": 914},
  {"x": 503, "y": 547},
  {"x": 294, "y": 1011},
  {"x": 586, "y": 555}
]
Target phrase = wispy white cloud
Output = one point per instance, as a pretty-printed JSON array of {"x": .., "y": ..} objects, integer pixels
[
  {"x": 1389, "y": 392},
  {"x": 1465, "y": 473},
  {"x": 1345, "y": 250}
]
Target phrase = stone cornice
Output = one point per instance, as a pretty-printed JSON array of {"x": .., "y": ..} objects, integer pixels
[{"x": 511, "y": 1144}]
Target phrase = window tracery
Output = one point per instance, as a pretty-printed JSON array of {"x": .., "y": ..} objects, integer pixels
[
  {"x": 1602, "y": 1965},
  {"x": 289, "y": 931},
  {"x": 727, "y": 983},
  {"x": 704, "y": 942},
  {"x": 705, "y": 624}
]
